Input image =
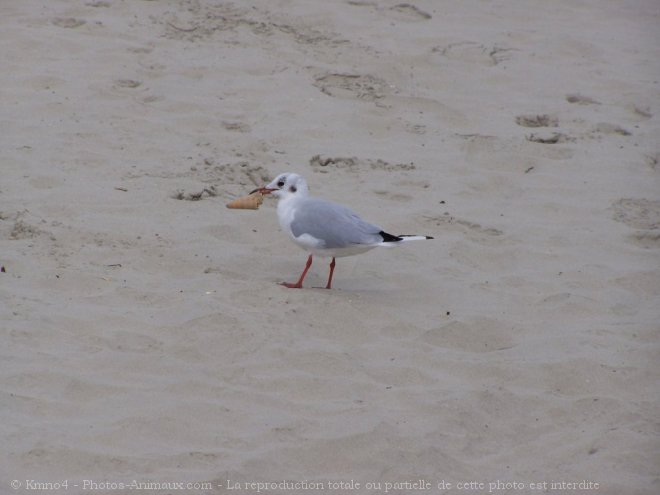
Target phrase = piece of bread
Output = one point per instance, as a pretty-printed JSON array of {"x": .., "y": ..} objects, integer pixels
[{"x": 250, "y": 202}]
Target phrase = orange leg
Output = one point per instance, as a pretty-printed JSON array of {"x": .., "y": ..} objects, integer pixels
[
  {"x": 298, "y": 284},
  {"x": 332, "y": 269}
]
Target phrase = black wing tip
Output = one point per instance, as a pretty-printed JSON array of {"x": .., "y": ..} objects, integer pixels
[
  {"x": 398, "y": 238},
  {"x": 389, "y": 237}
]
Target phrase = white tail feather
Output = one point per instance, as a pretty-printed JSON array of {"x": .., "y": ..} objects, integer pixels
[{"x": 406, "y": 238}]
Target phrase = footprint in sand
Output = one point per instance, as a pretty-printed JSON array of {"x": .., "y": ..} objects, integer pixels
[
  {"x": 638, "y": 213},
  {"x": 581, "y": 99},
  {"x": 473, "y": 53},
  {"x": 362, "y": 3},
  {"x": 540, "y": 121},
  {"x": 471, "y": 230},
  {"x": 236, "y": 177},
  {"x": 652, "y": 160},
  {"x": 241, "y": 173},
  {"x": 543, "y": 120},
  {"x": 392, "y": 196},
  {"x": 641, "y": 214},
  {"x": 127, "y": 83},
  {"x": 152, "y": 99},
  {"x": 207, "y": 192},
  {"x": 418, "y": 129},
  {"x": 140, "y": 50},
  {"x": 358, "y": 86},
  {"x": 236, "y": 126},
  {"x": 480, "y": 335},
  {"x": 400, "y": 12},
  {"x": 513, "y": 154},
  {"x": 220, "y": 177},
  {"x": 353, "y": 164},
  {"x": 68, "y": 22},
  {"x": 605, "y": 128},
  {"x": 324, "y": 165},
  {"x": 643, "y": 111},
  {"x": 549, "y": 138},
  {"x": 24, "y": 230},
  {"x": 646, "y": 239},
  {"x": 407, "y": 12}
]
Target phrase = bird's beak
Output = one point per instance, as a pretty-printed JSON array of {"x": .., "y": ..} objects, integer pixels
[{"x": 263, "y": 190}]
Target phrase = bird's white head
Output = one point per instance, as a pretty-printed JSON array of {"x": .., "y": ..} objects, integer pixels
[{"x": 287, "y": 185}]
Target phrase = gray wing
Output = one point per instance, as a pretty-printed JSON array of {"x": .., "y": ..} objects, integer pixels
[{"x": 334, "y": 224}]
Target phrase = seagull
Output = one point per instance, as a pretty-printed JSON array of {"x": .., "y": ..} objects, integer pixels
[{"x": 323, "y": 228}]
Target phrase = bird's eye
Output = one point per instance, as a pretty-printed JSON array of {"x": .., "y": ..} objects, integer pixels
[
  {"x": 293, "y": 189},
  {"x": 280, "y": 183}
]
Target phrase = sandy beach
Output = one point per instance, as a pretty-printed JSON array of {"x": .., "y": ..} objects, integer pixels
[{"x": 144, "y": 336}]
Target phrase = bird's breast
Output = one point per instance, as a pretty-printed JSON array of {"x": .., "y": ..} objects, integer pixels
[{"x": 285, "y": 214}]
